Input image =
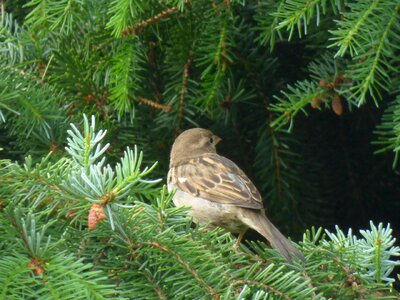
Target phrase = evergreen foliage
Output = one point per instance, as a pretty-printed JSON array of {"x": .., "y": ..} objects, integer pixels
[
  {"x": 302, "y": 93},
  {"x": 139, "y": 246}
]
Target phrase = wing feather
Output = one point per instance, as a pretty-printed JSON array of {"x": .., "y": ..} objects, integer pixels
[{"x": 218, "y": 179}]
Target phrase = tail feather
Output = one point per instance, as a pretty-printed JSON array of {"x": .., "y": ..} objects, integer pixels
[{"x": 260, "y": 223}]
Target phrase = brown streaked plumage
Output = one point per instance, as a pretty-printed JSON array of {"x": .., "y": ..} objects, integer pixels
[{"x": 218, "y": 191}]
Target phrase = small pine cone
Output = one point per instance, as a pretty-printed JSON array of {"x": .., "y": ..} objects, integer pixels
[
  {"x": 322, "y": 83},
  {"x": 96, "y": 215},
  {"x": 316, "y": 102},
  {"x": 37, "y": 265},
  {"x": 337, "y": 105},
  {"x": 70, "y": 214}
]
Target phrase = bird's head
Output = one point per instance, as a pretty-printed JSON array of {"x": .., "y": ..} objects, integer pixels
[{"x": 192, "y": 143}]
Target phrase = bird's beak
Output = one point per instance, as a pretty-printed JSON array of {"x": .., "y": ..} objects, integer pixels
[{"x": 217, "y": 139}]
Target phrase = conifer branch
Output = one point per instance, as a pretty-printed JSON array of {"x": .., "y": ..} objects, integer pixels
[
  {"x": 185, "y": 78},
  {"x": 126, "y": 74},
  {"x": 182, "y": 261},
  {"x": 298, "y": 14},
  {"x": 265, "y": 287},
  {"x": 215, "y": 55},
  {"x": 268, "y": 22},
  {"x": 134, "y": 30},
  {"x": 354, "y": 21},
  {"x": 154, "y": 105},
  {"x": 388, "y": 131},
  {"x": 371, "y": 71}
]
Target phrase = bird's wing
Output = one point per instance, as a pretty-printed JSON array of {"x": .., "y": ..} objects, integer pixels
[{"x": 218, "y": 179}]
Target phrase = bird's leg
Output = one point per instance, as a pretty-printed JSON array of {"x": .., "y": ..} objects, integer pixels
[{"x": 240, "y": 237}]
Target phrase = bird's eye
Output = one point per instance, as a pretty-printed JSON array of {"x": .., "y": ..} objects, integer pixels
[{"x": 211, "y": 140}]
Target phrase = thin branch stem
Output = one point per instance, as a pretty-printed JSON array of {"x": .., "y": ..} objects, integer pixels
[{"x": 132, "y": 31}]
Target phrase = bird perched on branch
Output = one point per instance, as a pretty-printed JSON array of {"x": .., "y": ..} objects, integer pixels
[{"x": 217, "y": 191}]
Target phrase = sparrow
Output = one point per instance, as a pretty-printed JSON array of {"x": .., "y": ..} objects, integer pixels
[{"x": 217, "y": 191}]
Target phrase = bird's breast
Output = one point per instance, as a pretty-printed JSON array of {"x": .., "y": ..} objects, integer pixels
[{"x": 206, "y": 212}]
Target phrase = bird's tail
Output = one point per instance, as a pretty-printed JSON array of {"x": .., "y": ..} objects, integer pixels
[{"x": 260, "y": 223}]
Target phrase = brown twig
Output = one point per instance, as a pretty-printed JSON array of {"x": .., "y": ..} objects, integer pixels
[
  {"x": 132, "y": 31},
  {"x": 155, "y": 105},
  {"x": 185, "y": 77}
]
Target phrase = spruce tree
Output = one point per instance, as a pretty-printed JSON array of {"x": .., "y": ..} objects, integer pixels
[{"x": 93, "y": 93}]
